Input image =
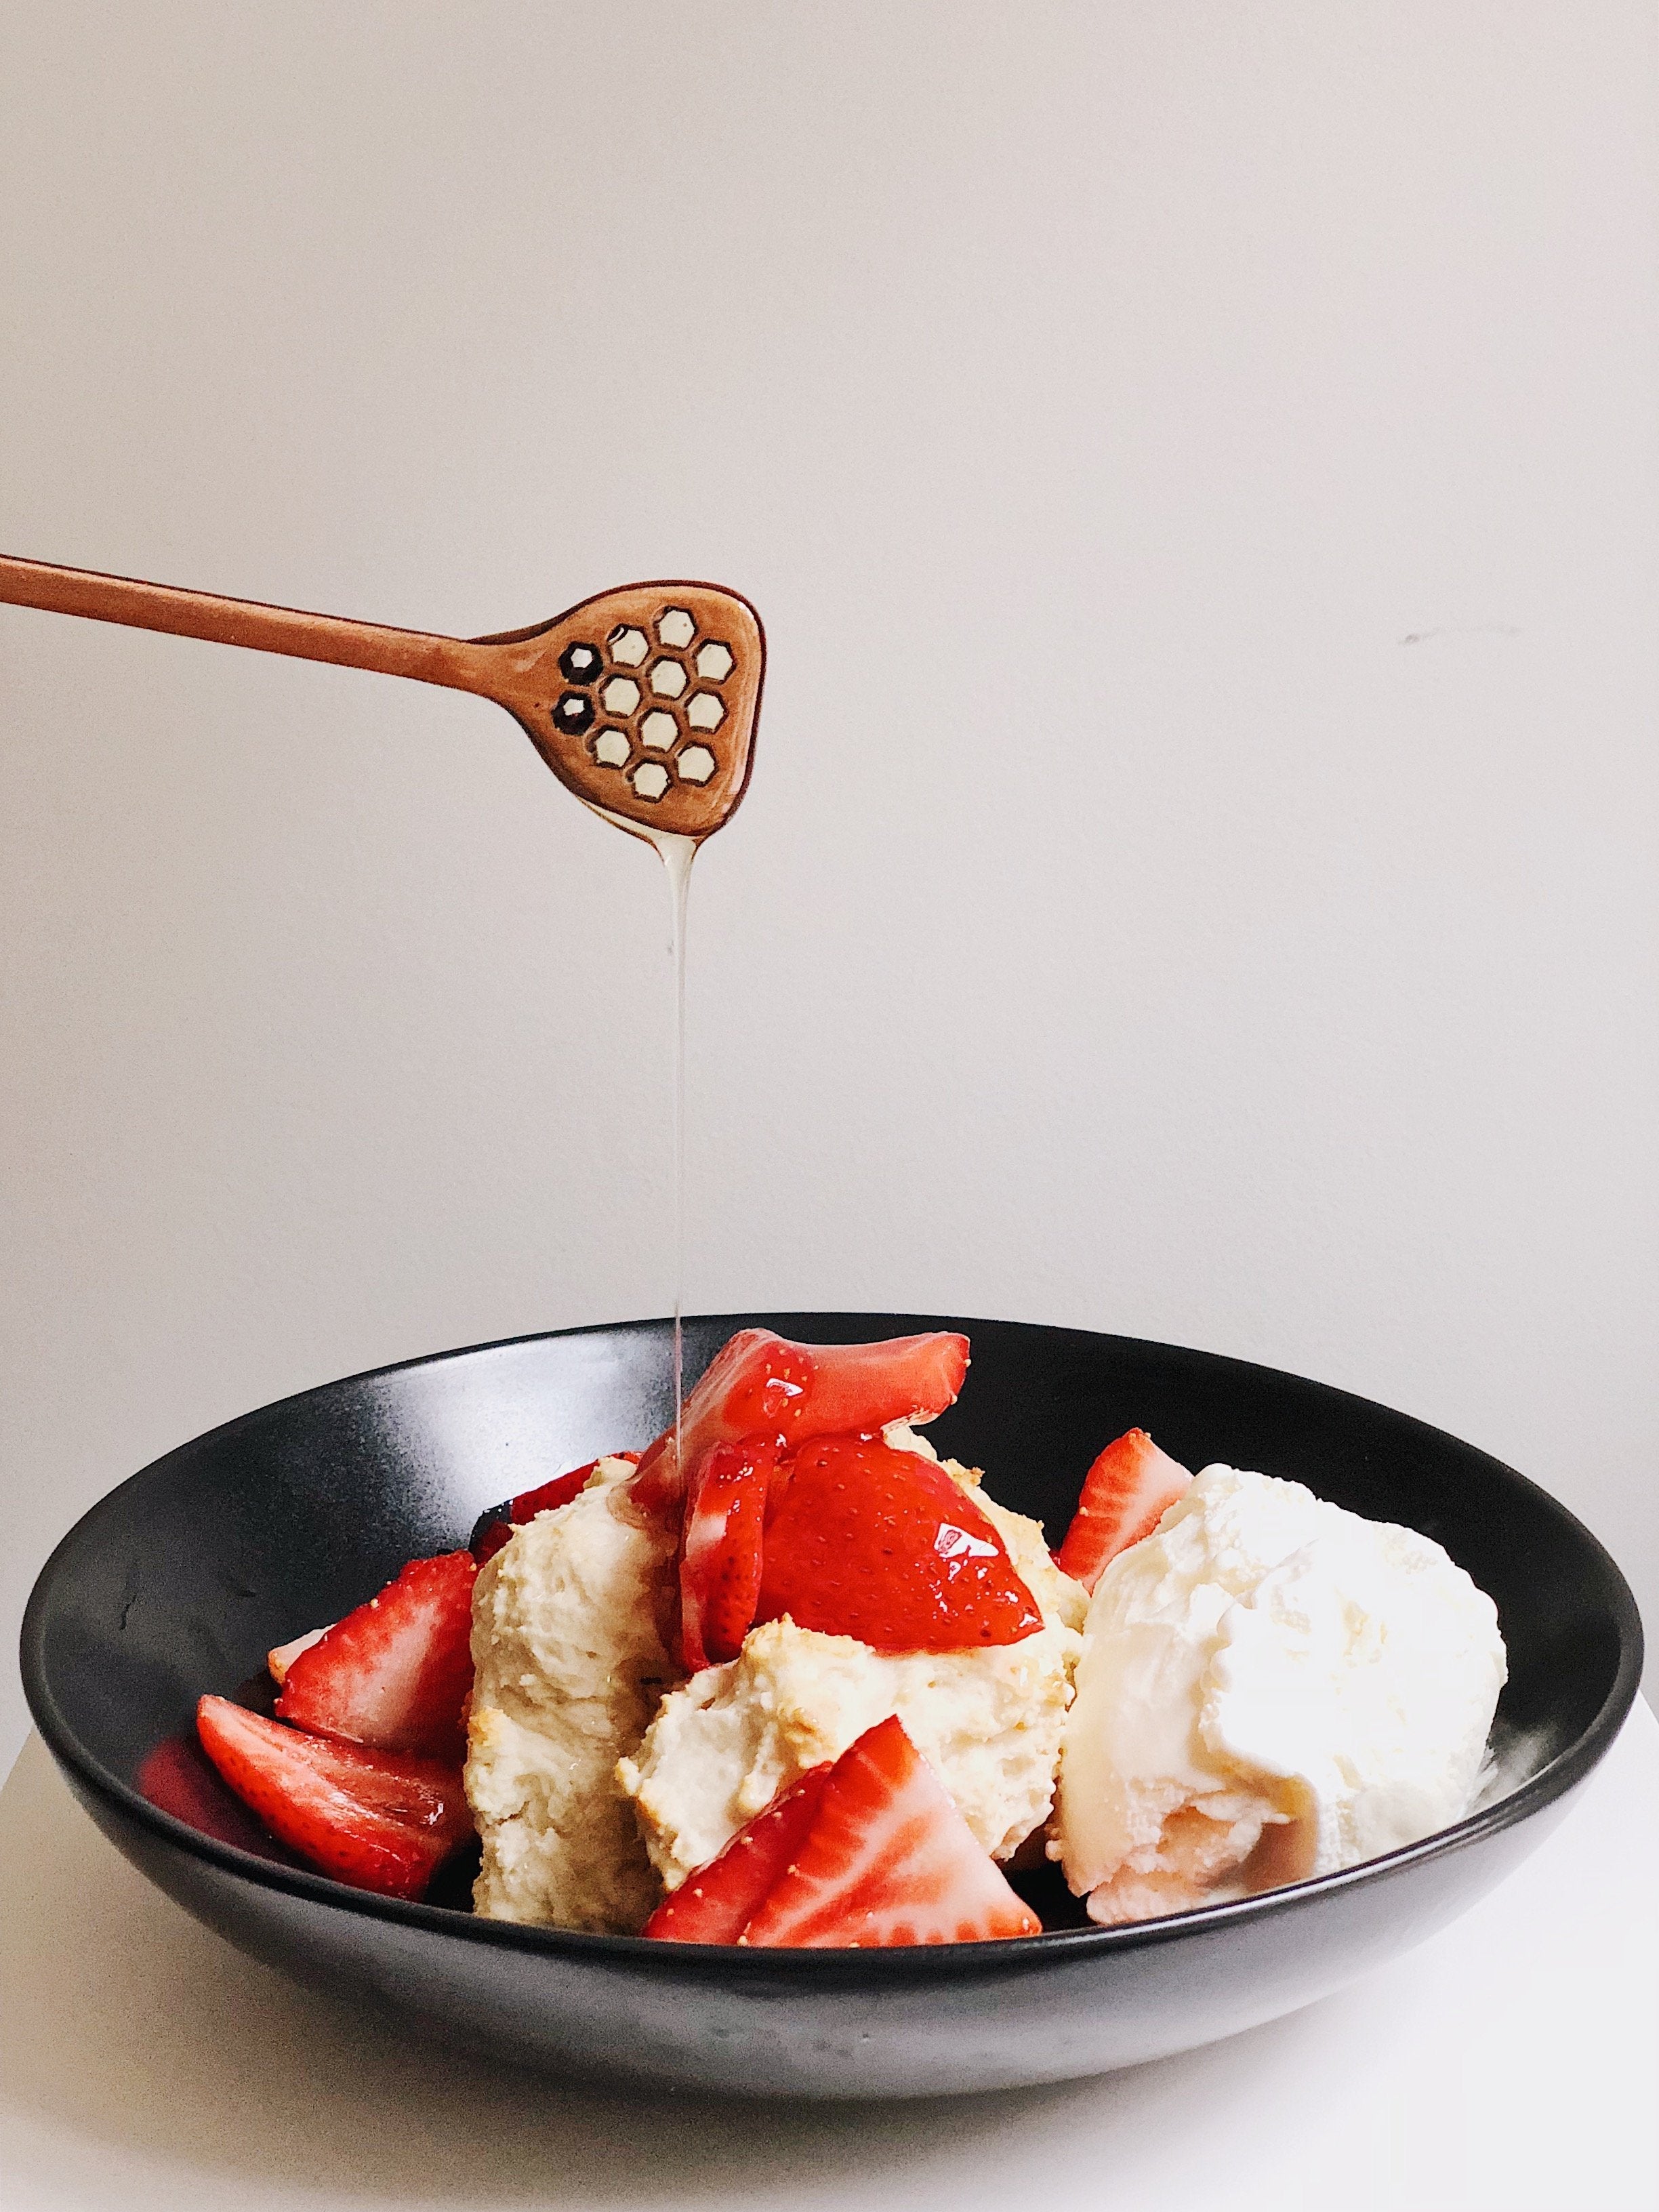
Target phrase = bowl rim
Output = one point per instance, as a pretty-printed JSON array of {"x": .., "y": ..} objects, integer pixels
[{"x": 1551, "y": 1782}]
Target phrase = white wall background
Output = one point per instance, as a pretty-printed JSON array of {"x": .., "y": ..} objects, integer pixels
[{"x": 1198, "y": 465}]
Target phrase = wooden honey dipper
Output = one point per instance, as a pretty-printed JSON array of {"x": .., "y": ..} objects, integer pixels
[{"x": 643, "y": 700}]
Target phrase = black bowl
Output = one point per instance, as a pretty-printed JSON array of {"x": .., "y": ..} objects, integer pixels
[{"x": 178, "y": 1582}]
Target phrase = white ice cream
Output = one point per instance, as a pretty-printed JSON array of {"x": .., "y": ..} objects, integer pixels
[
  {"x": 1270, "y": 1687},
  {"x": 987, "y": 1721}
]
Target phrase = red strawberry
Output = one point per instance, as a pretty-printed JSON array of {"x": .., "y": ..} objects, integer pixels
[
  {"x": 369, "y": 1818},
  {"x": 394, "y": 1673},
  {"x": 497, "y": 1523},
  {"x": 750, "y": 1387},
  {"x": 179, "y": 1778},
  {"x": 883, "y": 1545},
  {"x": 862, "y": 1386},
  {"x": 490, "y": 1534},
  {"x": 560, "y": 1492},
  {"x": 720, "y": 1549},
  {"x": 282, "y": 1657},
  {"x": 760, "y": 1384},
  {"x": 1126, "y": 1493},
  {"x": 713, "y": 1906},
  {"x": 888, "y": 1860}
]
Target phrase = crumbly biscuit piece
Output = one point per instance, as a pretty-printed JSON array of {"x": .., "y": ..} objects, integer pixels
[
  {"x": 571, "y": 1666},
  {"x": 988, "y": 1721}
]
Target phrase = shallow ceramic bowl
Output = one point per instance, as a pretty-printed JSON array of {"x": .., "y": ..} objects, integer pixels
[{"x": 179, "y": 1581}]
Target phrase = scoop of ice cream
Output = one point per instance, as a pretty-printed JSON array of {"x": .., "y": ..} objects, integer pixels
[
  {"x": 1270, "y": 1687},
  {"x": 570, "y": 1665},
  {"x": 987, "y": 1720}
]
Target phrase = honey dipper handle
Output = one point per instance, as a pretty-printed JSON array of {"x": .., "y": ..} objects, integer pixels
[{"x": 430, "y": 659}]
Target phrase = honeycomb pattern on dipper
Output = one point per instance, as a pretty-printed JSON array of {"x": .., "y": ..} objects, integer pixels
[
  {"x": 655, "y": 737},
  {"x": 643, "y": 700}
]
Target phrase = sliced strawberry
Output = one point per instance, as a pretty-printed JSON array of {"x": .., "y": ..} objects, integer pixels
[
  {"x": 750, "y": 1387},
  {"x": 1126, "y": 1493},
  {"x": 393, "y": 1673},
  {"x": 720, "y": 1549},
  {"x": 488, "y": 1535},
  {"x": 374, "y": 1818},
  {"x": 866, "y": 1541},
  {"x": 862, "y": 1387},
  {"x": 888, "y": 1860},
  {"x": 179, "y": 1778},
  {"x": 760, "y": 1384},
  {"x": 713, "y": 1906},
  {"x": 282, "y": 1657},
  {"x": 496, "y": 1522},
  {"x": 560, "y": 1492}
]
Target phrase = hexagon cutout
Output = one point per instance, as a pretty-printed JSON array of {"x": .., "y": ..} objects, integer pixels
[
  {"x": 621, "y": 696},
  {"x": 667, "y": 679},
  {"x": 659, "y": 730},
  {"x": 610, "y": 749},
  {"x": 704, "y": 711},
  {"x": 650, "y": 780},
  {"x": 696, "y": 764},
  {"x": 714, "y": 663},
  {"x": 628, "y": 646},
  {"x": 676, "y": 628}
]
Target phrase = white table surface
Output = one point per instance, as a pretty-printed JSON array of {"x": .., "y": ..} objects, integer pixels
[{"x": 1508, "y": 2064}]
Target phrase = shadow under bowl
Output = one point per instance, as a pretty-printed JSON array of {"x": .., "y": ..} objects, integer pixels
[{"x": 179, "y": 1581}]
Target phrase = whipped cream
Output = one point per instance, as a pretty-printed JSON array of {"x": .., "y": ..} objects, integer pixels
[{"x": 1270, "y": 1688}]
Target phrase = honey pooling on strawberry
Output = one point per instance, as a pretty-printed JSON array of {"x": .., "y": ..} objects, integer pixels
[{"x": 880, "y": 1545}]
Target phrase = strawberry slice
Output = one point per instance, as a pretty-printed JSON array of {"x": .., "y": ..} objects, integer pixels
[
  {"x": 714, "y": 1905},
  {"x": 760, "y": 1384},
  {"x": 888, "y": 1860},
  {"x": 394, "y": 1673},
  {"x": 282, "y": 1657},
  {"x": 489, "y": 1532},
  {"x": 1126, "y": 1493},
  {"x": 882, "y": 1545},
  {"x": 862, "y": 1386},
  {"x": 179, "y": 1778},
  {"x": 752, "y": 1387},
  {"x": 720, "y": 1549},
  {"x": 372, "y": 1819},
  {"x": 496, "y": 1522}
]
